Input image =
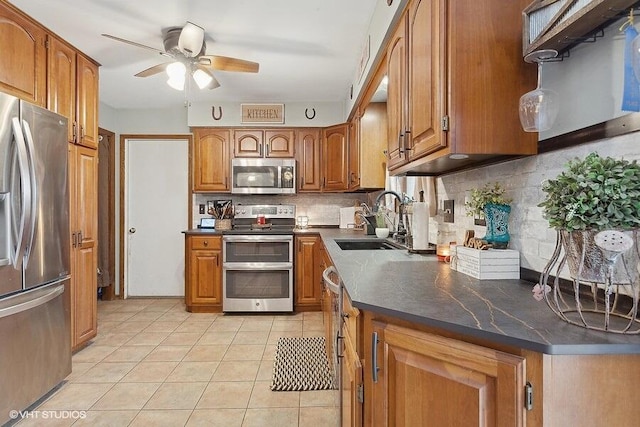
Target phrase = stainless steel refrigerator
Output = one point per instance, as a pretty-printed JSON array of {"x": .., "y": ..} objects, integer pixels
[{"x": 35, "y": 333}]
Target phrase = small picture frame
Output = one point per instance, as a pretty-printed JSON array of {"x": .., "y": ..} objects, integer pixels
[{"x": 207, "y": 223}]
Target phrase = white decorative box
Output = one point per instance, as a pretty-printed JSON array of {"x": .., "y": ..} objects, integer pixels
[{"x": 487, "y": 264}]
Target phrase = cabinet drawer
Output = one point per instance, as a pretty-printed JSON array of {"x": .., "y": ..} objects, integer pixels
[{"x": 209, "y": 242}]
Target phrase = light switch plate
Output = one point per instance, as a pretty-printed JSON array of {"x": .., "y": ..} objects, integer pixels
[{"x": 448, "y": 211}]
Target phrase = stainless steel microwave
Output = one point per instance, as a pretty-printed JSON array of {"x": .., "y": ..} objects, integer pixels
[{"x": 263, "y": 176}]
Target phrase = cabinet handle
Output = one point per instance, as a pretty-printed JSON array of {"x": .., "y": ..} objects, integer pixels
[
  {"x": 374, "y": 357},
  {"x": 266, "y": 150},
  {"x": 79, "y": 238},
  {"x": 260, "y": 149},
  {"x": 81, "y": 133},
  {"x": 206, "y": 243},
  {"x": 338, "y": 355},
  {"x": 75, "y": 131},
  {"x": 401, "y": 143},
  {"x": 74, "y": 240}
]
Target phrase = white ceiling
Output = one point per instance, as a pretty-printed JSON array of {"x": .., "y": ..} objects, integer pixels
[{"x": 307, "y": 49}]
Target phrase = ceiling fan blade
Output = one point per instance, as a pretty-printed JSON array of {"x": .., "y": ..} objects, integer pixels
[
  {"x": 214, "y": 82},
  {"x": 191, "y": 39},
  {"x": 109, "y": 36},
  {"x": 225, "y": 63},
  {"x": 153, "y": 70}
]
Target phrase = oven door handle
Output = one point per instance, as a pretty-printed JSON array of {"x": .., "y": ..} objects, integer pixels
[
  {"x": 257, "y": 266},
  {"x": 258, "y": 238}
]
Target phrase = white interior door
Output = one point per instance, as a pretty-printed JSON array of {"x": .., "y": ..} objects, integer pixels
[{"x": 156, "y": 214}]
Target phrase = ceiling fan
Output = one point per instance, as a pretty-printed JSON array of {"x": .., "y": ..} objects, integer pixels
[{"x": 186, "y": 47}]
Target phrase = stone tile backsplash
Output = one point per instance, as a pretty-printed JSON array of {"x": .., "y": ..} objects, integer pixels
[{"x": 522, "y": 178}]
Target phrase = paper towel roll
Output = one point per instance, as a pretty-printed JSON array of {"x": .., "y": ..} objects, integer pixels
[{"x": 420, "y": 225}]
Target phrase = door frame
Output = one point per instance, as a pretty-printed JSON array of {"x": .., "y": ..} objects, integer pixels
[
  {"x": 110, "y": 291},
  {"x": 123, "y": 186}
]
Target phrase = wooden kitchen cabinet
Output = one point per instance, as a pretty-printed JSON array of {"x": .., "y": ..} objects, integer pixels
[
  {"x": 271, "y": 143},
  {"x": 308, "y": 151},
  {"x": 210, "y": 160},
  {"x": 72, "y": 91},
  {"x": 352, "y": 393},
  {"x": 87, "y": 102},
  {"x": 354, "y": 151},
  {"x": 203, "y": 275},
  {"x": 335, "y": 159},
  {"x": 367, "y": 145},
  {"x": 83, "y": 209},
  {"x": 427, "y": 379},
  {"x": 445, "y": 98},
  {"x": 24, "y": 64},
  {"x": 308, "y": 273}
]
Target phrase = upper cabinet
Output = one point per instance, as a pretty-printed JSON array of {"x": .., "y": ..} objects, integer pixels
[
  {"x": 308, "y": 156},
  {"x": 456, "y": 75},
  {"x": 23, "y": 68},
  {"x": 72, "y": 82},
  {"x": 210, "y": 160},
  {"x": 335, "y": 148},
  {"x": 273, "y": 143}
]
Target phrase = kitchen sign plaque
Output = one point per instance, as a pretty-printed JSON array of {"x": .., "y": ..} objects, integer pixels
[{"x": 262, "y": 113}]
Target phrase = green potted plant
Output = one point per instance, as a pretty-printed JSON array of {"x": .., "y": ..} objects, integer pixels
[
  {"x": 592, "y": 195},
  {"x": 491, "y": 202}
]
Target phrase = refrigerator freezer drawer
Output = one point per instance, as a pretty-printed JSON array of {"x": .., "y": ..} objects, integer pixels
[{"x": 35, "y": 354}]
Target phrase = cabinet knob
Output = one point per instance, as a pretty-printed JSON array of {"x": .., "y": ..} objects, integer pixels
[
  {"x": 132, "y": 230},
  {"x": 205, "y": 243}
]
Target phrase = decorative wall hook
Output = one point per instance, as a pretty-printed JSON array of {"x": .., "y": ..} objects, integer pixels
[
  {"x": 213, "y": 113},
  {"x": 306, "y": 113}
]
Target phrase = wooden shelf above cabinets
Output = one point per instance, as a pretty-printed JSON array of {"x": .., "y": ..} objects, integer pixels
[{"x": 562, "y": 24}]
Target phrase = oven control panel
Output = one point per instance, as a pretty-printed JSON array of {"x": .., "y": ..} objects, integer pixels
[{"x": 269, "y": 211}]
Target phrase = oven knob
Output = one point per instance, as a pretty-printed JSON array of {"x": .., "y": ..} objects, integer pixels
[{"x": 257, "y": 304}]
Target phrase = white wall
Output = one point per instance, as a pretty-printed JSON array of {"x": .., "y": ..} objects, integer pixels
[{"x": 589, "y": 82}]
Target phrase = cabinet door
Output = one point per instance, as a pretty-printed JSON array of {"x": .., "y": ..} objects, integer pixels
[
  {"x": 83, "y": 182},
  {"x": 396, "y": 96},
  {"x": 426, "y": 379},
  {"x": 87, "y": 102},
  {"x": 308, "y": 273},
  {"x": 279, "y": 143},
  {"x": 23, "y": 64},
  {"x": 248, "y": 143},
  {"x": 351, "y": 385},
  {"x": 373, "y": 132},
  {"x": 426, "y": 77},
  {"x": 61, "y": 82},
  {"x": 335, "y": 158},
  {"x": 205, "y": 277},
  {"x": 308, "y": 156},
  {"x": 210, "y": 166}
]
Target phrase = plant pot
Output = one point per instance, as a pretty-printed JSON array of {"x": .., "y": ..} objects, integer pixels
[
  {"x": 382, "y": 233},
  {"x": 497, "y": 218},
  {"x": 587, "y": 262}
]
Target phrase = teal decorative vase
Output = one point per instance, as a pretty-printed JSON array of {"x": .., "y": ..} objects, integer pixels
[{"x": 497, "y": 217}]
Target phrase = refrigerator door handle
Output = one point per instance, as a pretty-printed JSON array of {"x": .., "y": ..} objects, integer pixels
[
  {"x": 28, "y": 136},
  {"x": 37, "y": 299},
  {"x": 25, "y": 185}
]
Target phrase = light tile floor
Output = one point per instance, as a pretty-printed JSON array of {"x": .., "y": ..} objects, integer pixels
[{"x": 155, "y": 364}]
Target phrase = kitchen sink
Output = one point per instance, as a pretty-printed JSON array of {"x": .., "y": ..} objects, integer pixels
[{"x": 365, "y": 244}]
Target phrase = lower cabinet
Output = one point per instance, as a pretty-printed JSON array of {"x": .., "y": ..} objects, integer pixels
[
  {"x": 83, "y": 209},
  {"x": 352, "y": 392},
  {"x": 418, "y": 378},
  {"x": 308, "y": 273},
  {"x": 203, "y": 273}
]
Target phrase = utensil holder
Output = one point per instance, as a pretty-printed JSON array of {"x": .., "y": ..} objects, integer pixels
[{"x": 223, "y": 224}]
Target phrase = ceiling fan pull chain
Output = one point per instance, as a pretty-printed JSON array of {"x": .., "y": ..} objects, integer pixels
[{"x": 213, "y": 112}]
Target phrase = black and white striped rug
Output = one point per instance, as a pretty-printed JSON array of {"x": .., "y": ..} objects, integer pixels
[{"x": 301, "y": 364}]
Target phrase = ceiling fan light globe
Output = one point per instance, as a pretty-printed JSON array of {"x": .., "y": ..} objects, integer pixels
[
  {"x": 202, "y": 79},
  {"x": 176, "y": 70}
]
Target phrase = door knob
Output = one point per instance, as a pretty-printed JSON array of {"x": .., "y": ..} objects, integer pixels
[{"x": 132, "y": 230}]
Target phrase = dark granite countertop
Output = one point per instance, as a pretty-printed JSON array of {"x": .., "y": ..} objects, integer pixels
[{"x": 420, "y": 289}]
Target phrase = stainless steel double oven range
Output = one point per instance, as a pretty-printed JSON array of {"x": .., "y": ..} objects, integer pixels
[{"x": 257, "y": 259}]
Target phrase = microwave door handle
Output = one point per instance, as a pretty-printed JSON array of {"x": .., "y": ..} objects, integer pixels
[
  {"x": 28, "y": 136},
  {"x": 25, "y": 185}
]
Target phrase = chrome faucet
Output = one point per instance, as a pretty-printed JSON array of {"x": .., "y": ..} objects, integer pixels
[{"x": 401, "y": 232}]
